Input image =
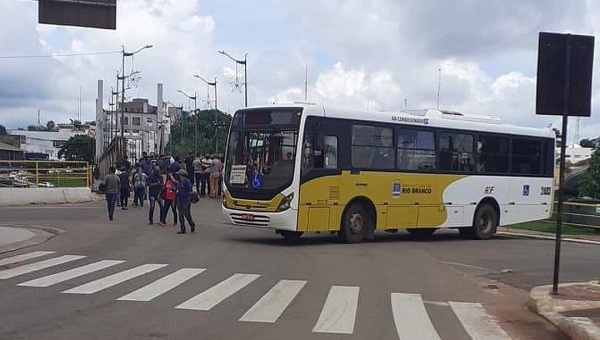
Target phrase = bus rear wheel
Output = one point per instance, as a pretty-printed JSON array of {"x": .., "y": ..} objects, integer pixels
[
  {"x": 485, "y": 223},
  {"x": 291, "y": 236},
  {"x": 421, "y": 232},
  {"x": 355, "y": 224}
]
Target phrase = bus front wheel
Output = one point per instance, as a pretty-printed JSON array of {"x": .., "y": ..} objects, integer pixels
[
  {"x": 355, "y": 224},
  {"x": 485, "y": 223}
]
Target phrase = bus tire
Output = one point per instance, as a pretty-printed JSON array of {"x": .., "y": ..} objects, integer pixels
[
  {"x": 421, "y": 232},
  {"x": 485, "y": 223},
  {"x": 355, "y": 223},
  {"x": 291, "y": 236}
]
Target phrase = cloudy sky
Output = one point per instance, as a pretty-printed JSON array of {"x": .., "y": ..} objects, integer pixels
[{"x": 377, "y": 53}]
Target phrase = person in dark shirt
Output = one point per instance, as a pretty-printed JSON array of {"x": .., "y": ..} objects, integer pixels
[
  {"x": 125, "y": 187},
  {"x": 189, "y": 167},
  {"x": 175, "y": 167},
  {"x": 112, "y": 185},
  {"x": 184, "y": 190},
  {"x": 147, "y": 167},
  {"x": 155, "y": 184}
]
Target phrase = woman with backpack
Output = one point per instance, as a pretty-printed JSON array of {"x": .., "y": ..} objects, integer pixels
[{"x": 170, "y": 193}]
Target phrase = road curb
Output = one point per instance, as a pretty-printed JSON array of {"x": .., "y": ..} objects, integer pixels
[
  {"x": 544, "y": 237},
  {"x": 550, "y": 308},
  {"x": 41, "y": 234}
]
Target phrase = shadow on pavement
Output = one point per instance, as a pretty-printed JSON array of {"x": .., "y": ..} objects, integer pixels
[{"x": 381, "y": 238}]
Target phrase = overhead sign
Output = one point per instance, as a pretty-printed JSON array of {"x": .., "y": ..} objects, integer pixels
[
  {"x": 564, "y": 74},
  {"x": 83, "y": 13}
]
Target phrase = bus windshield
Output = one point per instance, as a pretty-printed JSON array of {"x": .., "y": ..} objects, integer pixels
[{"x": 262, "y": 149}]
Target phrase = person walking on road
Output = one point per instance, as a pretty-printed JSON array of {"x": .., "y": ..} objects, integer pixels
[
  {"x": 184, "y": 190},
  {"x": 139, "y": 187},
  {"x": 215, "y": 167},
  {"x": 204, "y": 177},
  {"x": 197, "y": 165},
  {"x": 112, "y": 183},
  {"x": 155, "y": 184},
  {"x": 125, "y": 187},
  {"x": 169, "y": 193},
  {"x": 189, "y": 167}
]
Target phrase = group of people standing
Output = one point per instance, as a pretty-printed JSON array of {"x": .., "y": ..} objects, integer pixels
[{"x": 164, "y": 182}]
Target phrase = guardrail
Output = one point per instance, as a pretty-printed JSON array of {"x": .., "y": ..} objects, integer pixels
[
  {"x": 577, "y": 214},
  {"x": 44, "y": 174}
]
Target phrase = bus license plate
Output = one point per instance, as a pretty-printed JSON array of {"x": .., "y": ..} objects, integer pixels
[{"x": 247, "y": 217}]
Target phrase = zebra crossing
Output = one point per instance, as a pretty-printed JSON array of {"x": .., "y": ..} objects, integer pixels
[{"x": 337, "y": 314}]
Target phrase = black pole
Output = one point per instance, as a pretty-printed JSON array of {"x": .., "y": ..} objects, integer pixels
[
  {"x": 216, "y": 118},
  {"x": 196, "y": 124},
  {"x": 563, "y": 145},
  {"x": 246, "y": 79}
]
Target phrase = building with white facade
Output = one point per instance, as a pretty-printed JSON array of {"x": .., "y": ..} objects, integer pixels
[
  {"x": 146, "y": 127},
  {"x": 49, "y": 142}
]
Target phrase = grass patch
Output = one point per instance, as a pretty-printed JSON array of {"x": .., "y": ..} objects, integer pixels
[
  {"x": 64, "y": 180},
  {"x": 550, "y": 227}
]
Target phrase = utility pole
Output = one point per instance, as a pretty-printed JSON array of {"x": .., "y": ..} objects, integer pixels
[
  {"x": 216, "y": 132},
  {"x": 126, "y": 54},
  {"x": 306, "y": 83},
  {"x": 245, "y": 63},
  {"x": 439, "y": 87},
  {"x": 196, "y": 118}
]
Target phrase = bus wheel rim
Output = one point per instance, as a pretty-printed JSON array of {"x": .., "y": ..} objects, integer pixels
[
  {"x": 485, "y": 223},
  {"x": 356, "y": 223}
]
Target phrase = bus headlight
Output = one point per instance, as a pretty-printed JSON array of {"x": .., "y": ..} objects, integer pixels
[{"x": 286, "y": 202}]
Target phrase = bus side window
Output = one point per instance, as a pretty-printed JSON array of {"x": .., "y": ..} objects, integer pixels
[{"x": 330, "y": 151}]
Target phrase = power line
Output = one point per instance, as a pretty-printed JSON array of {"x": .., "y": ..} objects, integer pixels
[{"x": 57, "y": 55}]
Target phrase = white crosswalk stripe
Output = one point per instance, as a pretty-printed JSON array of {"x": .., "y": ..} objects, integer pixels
[
  {"x": 115, "y": 279},
  {"x": 337, "y": 315},
  {"x": 162, "y": 285},
  {"x": 274, "y": 302},
  {"x": 213, "y": 296},
  {"x": 339, "y": 312},
  {"x": 32, "y": 267},
  {"x": 477, "y": 322},
  {"x": 24, "y": 257},
  {"x": 53, "y": 279},
  {"x": 411, "y": 319}
]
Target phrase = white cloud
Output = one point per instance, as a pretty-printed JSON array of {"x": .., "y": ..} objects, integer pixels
[{"x": 377, "y": 52}]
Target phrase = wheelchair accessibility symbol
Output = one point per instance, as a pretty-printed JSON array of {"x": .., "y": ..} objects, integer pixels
[{"x": 257, "y": 181}]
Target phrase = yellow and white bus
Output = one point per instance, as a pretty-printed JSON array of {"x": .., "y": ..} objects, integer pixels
[{"x": 302, "y": 167}]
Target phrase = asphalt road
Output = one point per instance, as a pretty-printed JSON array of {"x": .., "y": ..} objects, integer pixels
[{"x": 138, "y": 281}]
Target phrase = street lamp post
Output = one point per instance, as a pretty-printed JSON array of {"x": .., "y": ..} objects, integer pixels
[
  {"x": 213, "y": 83},
  {"x": 196, "y": 118},
  {"x": 171, "y": 138},
  {"x": 122, "y": 78},
  {"x": 245, "y": 63}
]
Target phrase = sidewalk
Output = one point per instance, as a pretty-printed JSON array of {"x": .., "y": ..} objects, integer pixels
[
  {"x": 590, "y": 239},
  {"x": 575, "y": 311},
  {"x": 15, "y": 236}
]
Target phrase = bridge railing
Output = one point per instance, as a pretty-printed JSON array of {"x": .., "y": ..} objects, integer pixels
[
  {"x": 579, "y": 214},
  {"x": 44, "y": 174}
]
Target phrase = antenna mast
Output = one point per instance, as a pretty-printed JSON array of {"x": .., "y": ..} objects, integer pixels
[{"x": 439, "y": 87}]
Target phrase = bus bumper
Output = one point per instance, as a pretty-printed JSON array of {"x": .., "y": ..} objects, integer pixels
[{"x": 284, "y": 220}]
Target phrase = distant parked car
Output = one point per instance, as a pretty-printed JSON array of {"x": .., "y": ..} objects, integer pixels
[
  {"x": 46, "y": 185},
  {"x": 20, "y": 182}
]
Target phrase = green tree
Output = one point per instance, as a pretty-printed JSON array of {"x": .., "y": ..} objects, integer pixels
[
  {"x": 183, "y": 133},
  {"x": 50, "y": 125},
  {"x": 36, "y": 128},
  {"x": 590, "y": 183},
  {"x": 587, "y": 143},
  {"x": 3, "y": 130},
  {"x": 79, "y": 148}
]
